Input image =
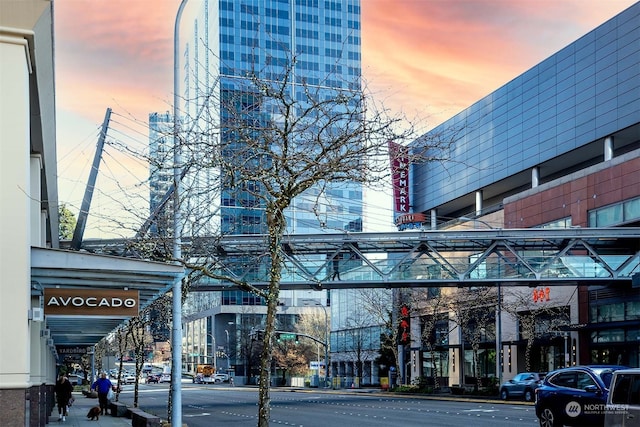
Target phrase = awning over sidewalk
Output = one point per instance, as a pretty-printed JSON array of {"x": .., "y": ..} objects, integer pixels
[{"x": 54, "y": 268}]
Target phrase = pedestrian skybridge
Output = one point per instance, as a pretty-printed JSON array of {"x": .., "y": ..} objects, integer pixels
[{"x": 430, "y": 258}]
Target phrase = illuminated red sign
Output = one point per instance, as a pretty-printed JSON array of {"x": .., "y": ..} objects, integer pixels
[
  {"x": 399, "y": 157},
  {"x": 404, "y": 333},
  {"x": 541, "y": 294}
]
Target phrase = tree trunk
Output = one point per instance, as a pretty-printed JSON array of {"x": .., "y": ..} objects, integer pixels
[
  {"x": 527, "y": 355},
  {"x": 276, "y": 225},
  {"x": 434, "y": 373}
]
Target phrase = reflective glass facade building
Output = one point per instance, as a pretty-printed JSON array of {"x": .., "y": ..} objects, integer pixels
[
  {"x": 558, "y": 146},
  {"x": 232, "y": 40},
  {"x": 228, "y": 41},
  {"x": 161, "y": 178},
  {"x": 551, "y": 120}
]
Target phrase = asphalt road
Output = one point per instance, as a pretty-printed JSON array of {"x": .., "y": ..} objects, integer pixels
[{"x": 209, "y": 405}]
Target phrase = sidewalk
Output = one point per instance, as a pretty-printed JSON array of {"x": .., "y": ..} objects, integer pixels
[{"x": 78, "y": 415}]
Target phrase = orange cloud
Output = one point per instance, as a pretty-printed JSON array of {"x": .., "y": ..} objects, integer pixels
[
  {"x": 114, "y": 51},
  {"x": 442, "y": 56},
  {"x": 445, "y": 54},
  {"x": 427, "y": 57}
]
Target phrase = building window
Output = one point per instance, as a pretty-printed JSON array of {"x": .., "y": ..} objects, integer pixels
[
  {"x": 435, "y": 364},
  {"x": 614, "y": 312},
  {"x": 616, "y": 214},
  {"x": 560, "y": 223},
  {"x": 608, "y": 336}
]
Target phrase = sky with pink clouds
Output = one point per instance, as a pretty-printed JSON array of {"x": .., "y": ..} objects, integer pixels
[{"x": 427, "y": 57}]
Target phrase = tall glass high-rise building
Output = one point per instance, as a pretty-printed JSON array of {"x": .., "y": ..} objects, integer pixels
[
  {"x": 315, "y": 45},
  {"x": 161, "y": 172},
  {"x": 234, "y": 40}
]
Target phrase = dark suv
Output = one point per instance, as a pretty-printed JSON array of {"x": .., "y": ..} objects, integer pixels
[
  {"x": 152, "y": 378},
  {"x": 574, "y": 396},
  {"x": 522, "y": 385}
]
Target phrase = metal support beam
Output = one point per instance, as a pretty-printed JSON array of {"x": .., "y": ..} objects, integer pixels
[
  {"x": 78, "y": 233},
  {"x": 513, "y": 257}
]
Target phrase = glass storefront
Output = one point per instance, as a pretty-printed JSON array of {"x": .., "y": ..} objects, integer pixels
[{"x": 614, "y": 316}]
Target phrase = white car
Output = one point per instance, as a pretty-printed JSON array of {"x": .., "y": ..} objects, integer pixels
[
  {"x": 128, "y": 379},
  {"x": 219, "y": 378}
]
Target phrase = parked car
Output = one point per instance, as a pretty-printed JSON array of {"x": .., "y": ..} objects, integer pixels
[
  {"x": 574, "y": 396},
  {"x": 165, "y": 378},
  {"x": 522, "y": 385},
  {"x": 219, "y": 378},
  {"x": 623, "y": 403},
  {"x": 152, "y": 378}
]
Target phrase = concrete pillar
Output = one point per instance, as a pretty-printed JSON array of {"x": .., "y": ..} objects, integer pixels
[
  {"x": 15, "y": 252},
  {"x": 38, "y": 237},
  {"x": 39, "y": 349},
  {"x": 479, "y": 202},
  {"x": 608, "y": 148},
  {"x": 434, "y": 219},
  {"x": 535, "y": 177}
]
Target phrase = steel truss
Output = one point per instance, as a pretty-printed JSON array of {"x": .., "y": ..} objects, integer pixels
[{"x": 430, "y": 258}]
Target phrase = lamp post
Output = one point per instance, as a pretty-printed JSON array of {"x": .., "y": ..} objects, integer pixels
[
  {"x": 176, "y": 364},
  {"x": 227, "y": 351},
  {"x": 498, "y": 312},
  {"x": 213, "y": 351}
]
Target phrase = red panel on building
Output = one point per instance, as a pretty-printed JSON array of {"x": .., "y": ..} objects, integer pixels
[{"x": 399, "y": 157}]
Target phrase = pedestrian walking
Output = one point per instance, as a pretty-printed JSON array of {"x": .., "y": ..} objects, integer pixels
[
  {"x": 63, "y": 390},
  {"x": 102, "y": 385}
]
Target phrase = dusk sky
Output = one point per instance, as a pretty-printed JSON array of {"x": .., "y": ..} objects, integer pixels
[{"x": 432, "y": 58}]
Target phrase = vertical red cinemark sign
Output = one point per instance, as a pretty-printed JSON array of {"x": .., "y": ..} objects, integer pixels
[
  {"x": 399, "y": 157},
  {"x": 404, "y": 333}
]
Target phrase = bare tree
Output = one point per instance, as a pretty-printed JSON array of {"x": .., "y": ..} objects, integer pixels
[
  {"x": 137, "y": 329},
  {"x": 122, "y": 346},
  {"x": 313, "y": 324},
  {"x": 379, "y": 305},
  {"x": 535, "y": 317},
  {"x": 249, "y": 346},
  {"x": 252, "y": 145},
  {"x": 276, "y": 149},
  {"x": 474, "y": 314},
  {"x": 432, "y": 306},
  {"x": 289, "y": 357}
]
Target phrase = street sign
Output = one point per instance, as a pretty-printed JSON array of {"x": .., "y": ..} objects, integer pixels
[{"x": 287, "y": 337}]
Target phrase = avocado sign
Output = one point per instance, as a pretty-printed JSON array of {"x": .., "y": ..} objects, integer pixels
[{"x": 90, "y": 302}]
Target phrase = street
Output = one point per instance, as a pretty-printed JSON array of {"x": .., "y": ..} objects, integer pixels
[{"x": 223, "y": 405}]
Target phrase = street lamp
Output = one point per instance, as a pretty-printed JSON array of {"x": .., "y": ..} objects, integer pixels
[
  {"x": 228, "y": 350},
  {"x": 176, "y": 365},
  {"x": 498, "y": 311},
  {"x": 213, "y": 351}
]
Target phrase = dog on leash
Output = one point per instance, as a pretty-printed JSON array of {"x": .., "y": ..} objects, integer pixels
[{"x": 94, "y": 413}]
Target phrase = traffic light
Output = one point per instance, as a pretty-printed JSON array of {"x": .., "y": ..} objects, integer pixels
[{"x": 277, "y": 336}]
